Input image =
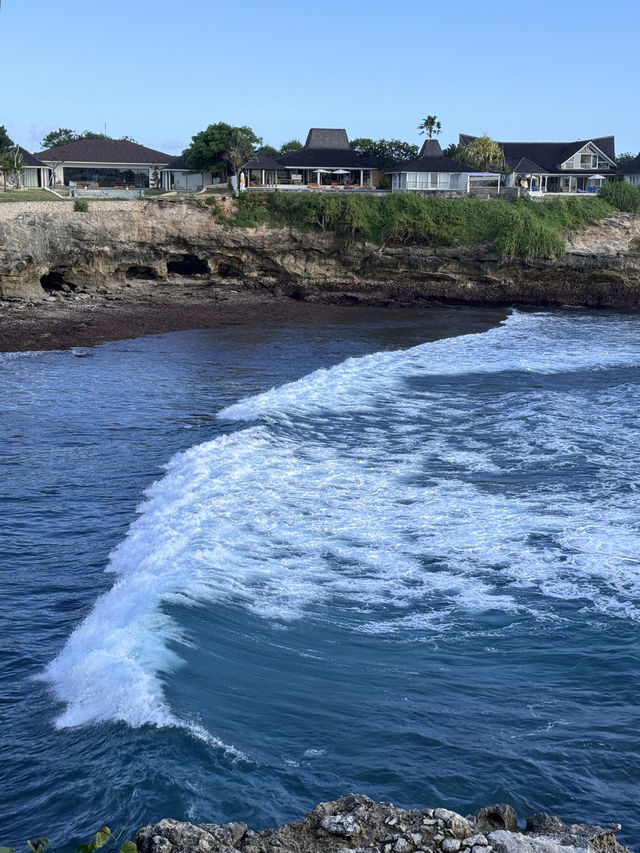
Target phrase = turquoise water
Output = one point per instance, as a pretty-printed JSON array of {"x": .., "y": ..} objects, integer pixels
[{"x": 249, "y": 570}]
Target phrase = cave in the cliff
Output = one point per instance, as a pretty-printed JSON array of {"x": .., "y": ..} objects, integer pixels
[
  {"x": 140, "y": 271},
  {"x": 188, "y": 265},
  {"x": 54, "y": 281}
]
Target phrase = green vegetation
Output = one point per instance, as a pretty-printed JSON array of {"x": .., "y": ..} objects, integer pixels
[
  {"x": 485, "y": 154},
  {"x": 65, "y": 136},
  {"x": 431, "y": 126},
  {"x": 387, "y": 152},
  {"x": 220, "y": 147},
  {"x": 81, "y": 205},
  {"x": 290, "y": 146},
  {"x": 102, "y": 837},
  {"x": 621, "y": 195},
  {"x": 624, "y": 159},
  {"x": 519, "y": 228},
  {"x": 28, "y": 195}
]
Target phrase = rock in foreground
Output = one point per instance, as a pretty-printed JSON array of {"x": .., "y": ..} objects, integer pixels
[{"x": 357, "y": 824}]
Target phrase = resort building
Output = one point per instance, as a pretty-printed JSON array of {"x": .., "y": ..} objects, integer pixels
[
  {"x": 431, "y": 171},
  {"x": 327, "y": 159},
  {"x": 631, "y": 172},
  {"x": 96, "y": 163},
  {"x": 177, "y": 176},
  {"x": 558, "y": 167},
  {"x": 35, "y": 173}
]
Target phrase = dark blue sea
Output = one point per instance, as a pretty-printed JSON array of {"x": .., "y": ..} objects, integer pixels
[{"x": 244, "y": 571}]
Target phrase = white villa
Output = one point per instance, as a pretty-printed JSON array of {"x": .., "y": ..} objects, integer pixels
[
  {"x": 95, "y": 163},
  {"x": 433, "y": 172}
]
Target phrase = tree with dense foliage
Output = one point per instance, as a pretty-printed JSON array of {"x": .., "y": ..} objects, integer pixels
[
  {"x": 217, "y": 148},
  {"x": 387, "y": 152},
  {"x": 485, "y": 153},
  {"x": 65, "y": 136},
  {"x": 431, "y": 126},
  {"x": 458, "y": 152},
  {"x": 6, "y": 143},
  {"x": 624, "y": 159},
  {"x": 268, "y": 150},
  {"x": 56, "y": 138},
  {"x": 291, "y": 145}
]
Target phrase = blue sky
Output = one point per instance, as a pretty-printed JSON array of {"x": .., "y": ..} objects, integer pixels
[{"x": 161, "y": 71}]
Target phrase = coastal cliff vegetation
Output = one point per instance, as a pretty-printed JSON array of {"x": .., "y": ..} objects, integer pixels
[{"x": 518, "y": 228}]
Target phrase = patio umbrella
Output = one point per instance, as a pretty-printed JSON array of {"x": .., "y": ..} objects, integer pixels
[
  {"x": 596, "y": 177},
  {"x": 340, "y": 171}
]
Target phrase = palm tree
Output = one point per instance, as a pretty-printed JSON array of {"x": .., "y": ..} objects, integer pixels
[{"x": 430, "y": 126}]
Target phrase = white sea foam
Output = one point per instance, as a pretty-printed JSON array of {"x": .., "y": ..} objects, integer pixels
[
  {"x": 542, "y": 343},
  {"x": 358, "y": 491}
]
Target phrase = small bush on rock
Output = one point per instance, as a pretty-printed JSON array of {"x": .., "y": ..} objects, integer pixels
[{"x": 81, "y": 205}]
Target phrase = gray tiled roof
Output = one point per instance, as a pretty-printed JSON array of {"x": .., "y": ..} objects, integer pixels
[
  {"x": 327, "y": 137},
  {"x": 105, "y": 151}
]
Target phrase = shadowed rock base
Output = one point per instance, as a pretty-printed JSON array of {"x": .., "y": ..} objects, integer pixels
[{"x": 357, "y": 824}]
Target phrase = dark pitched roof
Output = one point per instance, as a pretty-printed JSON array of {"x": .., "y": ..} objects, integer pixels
[
  {"x": 632, "y": 168},
  {"x": 549, "y": 155},
  {"x": 177, "y": 163},
  {"x": 327, "y": 137},
  {"x": 29, "y": 159},
  {"x": 433, "y": 164},
  {"x": 264, "y": 161},
  {"x": 316, "y": 158},
  {"x": 431, "y": 148},
  {"x": 525, "y": 166},
  {"x": 104, "y": 151}
]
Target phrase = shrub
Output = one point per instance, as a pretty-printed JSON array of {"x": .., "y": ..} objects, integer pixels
[
  {"x": 518, "y": 228},
  {"x": 622, "y": 195},
  {"x": 81, "y": 205}
]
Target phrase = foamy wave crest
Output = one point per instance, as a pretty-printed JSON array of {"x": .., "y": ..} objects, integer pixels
[
  {"x": 543, "y": 343},
  {"x": 402, "y": 506}
]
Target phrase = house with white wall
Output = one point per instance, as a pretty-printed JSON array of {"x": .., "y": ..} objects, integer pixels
[
  {"x": 97, "y": 163},
  {"x": 433, "y": 172},
  {"x": 35, "y": 173},
  {"x": 574, "y": 167}
]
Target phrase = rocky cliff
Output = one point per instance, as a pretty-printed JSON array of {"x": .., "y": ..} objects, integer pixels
[
  {"x": 51, "y": 248},
  {"x": 356, "y": 824}
]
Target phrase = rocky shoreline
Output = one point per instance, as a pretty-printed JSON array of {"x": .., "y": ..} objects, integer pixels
[
  {"x": 69, "y": 278},
  {"x": 357, "y": 824},
  {"x": 47, "y": 246}
]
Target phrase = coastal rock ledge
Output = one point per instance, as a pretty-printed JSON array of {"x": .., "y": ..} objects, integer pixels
[
  {"x": 357, "y": 824},
  {"x": 51, "y": 252}
]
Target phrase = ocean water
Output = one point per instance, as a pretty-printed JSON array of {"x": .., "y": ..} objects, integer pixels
[{"x": 244, "y": 571}]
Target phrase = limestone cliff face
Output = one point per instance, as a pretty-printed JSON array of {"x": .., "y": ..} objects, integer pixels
[{"x": 51, "y": 247}]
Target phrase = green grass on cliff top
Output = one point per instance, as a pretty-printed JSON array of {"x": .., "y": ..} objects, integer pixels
[
  {"x": 28, "y": 195},
  {"x": 517, "y": 228}
]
